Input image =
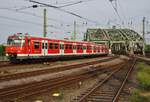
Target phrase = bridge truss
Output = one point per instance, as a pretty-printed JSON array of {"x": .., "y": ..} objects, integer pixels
[{"x": 119, "y": 40}]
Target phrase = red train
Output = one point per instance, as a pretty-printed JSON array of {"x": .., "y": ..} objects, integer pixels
[{"x": 21, "y": 47}]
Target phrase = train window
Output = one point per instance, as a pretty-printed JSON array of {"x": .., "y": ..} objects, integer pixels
[
  {"x": 96, "y": 48},
  {"x": 90, "y": 48},
  {"x": 66, "y": 46},
  {"x": 70, "y": 46},
  {"x": 56, "y": 46},
  {"x": 50, "y": 45},
  {"x": 87, "y": 47},
  {"x": 36, "y": 45},
  {"x": 42, "y": 45},
  {"x": 81, "y": 47},
  {"x": 84, "y": 47},
  {"x": 78, "y": 47},
  {"x": 45, "y": 45}
]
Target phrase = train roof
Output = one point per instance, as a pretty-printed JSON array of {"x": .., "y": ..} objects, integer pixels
[{"x": 20, "y": 35}]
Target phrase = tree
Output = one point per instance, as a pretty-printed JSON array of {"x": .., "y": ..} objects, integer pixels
[{"x": 2, "y": 50}]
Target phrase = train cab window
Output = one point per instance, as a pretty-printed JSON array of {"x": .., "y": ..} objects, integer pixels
[
  {"x": 16, "y": 42},
  {"x": 36, "y": 45},
  {"x": 56, "y": 46},
  {"x": 50, "y": 45}
]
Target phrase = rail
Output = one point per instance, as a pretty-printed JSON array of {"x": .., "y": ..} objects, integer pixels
[
  {"x": 49, "y": 70},
  {"x": 101, "y": 92},
  {"x": 38, "y": 87}
]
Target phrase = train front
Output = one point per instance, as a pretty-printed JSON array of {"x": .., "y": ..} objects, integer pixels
[{"x": 15, "y": 47}]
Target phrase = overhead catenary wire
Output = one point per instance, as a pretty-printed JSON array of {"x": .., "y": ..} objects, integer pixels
[
  {"x": 34, "y": 15},
  {"x": 26, "y": 7},
  {"x": 25, "y": 21},
  {"x": 19, "y": 10},
  {"x": 68, "y": 12},
  {"x": 74, "y": 3},
  {"x": 116, "y": 10},
  {"x": 65, "y": 5},
  {"x": 122, "y": 10},
  {"x": 31, "y": 14}
]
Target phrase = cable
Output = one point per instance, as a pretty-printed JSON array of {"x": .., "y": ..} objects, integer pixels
[
  {"x": 78, "y": 2},
  {"x": 26, "y": 7},
  {"x": 3, "y": 8},
  {"x": 71, "y": 4},
  {"x": 122, "y": 11},
  {"x": 116, "y": 11},
  {"x": 55, "y": 7},
  {"x": 31, "y": 14},
  {"x": 24, "y": 21}
]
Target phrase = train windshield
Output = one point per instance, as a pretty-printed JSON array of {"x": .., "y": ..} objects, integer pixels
[{"x": 16, "y": 42}]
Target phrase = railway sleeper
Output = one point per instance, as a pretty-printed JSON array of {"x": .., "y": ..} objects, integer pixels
[{"x": 98, "y": 100}]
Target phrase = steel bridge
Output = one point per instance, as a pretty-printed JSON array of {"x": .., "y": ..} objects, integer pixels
[{"x": 119, "y": 40}]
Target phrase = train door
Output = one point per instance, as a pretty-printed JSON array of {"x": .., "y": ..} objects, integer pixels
[
  {"x": 84, "y": 48},
  {"x": 92, "y": 48},
  {"x": 61, "y": 48},
  {"x": 28, "y": 46},
  {"x": 44, "y": 47},
  {"x": 74, "y": 48}
]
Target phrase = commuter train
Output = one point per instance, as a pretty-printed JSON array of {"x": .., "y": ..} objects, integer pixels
[{"x": 24, "y": 47}]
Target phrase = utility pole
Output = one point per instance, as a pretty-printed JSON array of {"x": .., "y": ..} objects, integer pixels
[
  {"x": 144, "y": 29},
  {"x": 45, "y": 24},
  {"x": 144, "y": 35},
  {"x": 74, "y": 30}
]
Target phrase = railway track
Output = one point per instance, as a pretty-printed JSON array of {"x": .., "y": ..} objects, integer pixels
[
  {"x": 109, "y": 89},
  {"x": 50, "y": 70},
  {"x": 8, "y": 63},
  {"x": 22, "y": 91},
  {"x": 5, "y": 63}
]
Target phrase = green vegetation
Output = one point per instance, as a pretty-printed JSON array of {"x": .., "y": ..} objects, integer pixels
[
  {"x": 139, "y": 96},
  {"x": 142, "y": 94},
  {"x": 147, "y": 47},
  {"x": 143, "y": 76},
  {"x": 2, "y": 50}
]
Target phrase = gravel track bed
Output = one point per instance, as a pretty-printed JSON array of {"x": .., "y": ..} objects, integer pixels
[
  {"x": 45, "y": 65},
  {"x": 71, "y": 91},
  {"x": 20, "y": 81}
]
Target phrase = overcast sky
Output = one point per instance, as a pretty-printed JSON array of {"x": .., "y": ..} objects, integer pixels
[{"x": 100, "y": 13}]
